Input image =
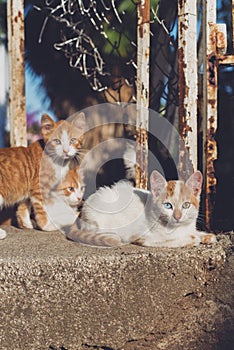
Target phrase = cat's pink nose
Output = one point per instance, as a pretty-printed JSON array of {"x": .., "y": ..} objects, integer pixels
[
  {"x": 65, "y": 151},
  {"x": 177, "y": 215},
  {"x": 79, "y": 198}
]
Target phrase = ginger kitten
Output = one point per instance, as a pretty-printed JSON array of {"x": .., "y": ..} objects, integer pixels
[
  {"x": 67, "y": 200},
  {"x": 72, "y": 188},
  {"x": 163, "y": 217}
]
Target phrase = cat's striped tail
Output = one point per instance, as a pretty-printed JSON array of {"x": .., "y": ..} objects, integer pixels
[{"x": 87, "y": 236}]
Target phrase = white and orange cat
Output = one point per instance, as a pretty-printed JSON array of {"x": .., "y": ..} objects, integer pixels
[
  {"x": 67, "y": 200},
  {"x": 163, "y": 217},
  {"x": 71, "y": 189},
  {"x": 28, "y": 174}
]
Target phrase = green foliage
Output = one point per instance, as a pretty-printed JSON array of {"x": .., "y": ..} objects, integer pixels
[{"x": 117, "y": 42}]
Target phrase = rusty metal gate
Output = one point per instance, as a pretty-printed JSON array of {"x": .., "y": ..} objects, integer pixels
[
  {"x": 191, "y": 84},
  {"x": 215, "y": 39},
  {"x": 212, "y": 54}
]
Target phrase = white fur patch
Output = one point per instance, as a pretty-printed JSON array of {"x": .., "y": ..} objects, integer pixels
[
  {"x": 59, "y": 214},
  {"x": 112, "y": 199},
  {"x": 65, "y": 138},
  {"x": 1, "y": 200},
  {"x": 27, "y": 221},
  {"x": 2, "y": 233}
]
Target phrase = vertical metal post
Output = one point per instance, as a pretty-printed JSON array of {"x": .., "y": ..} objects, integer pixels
[
  {"x": 17, "y": 108},
  {"x": 187, "y": 67},
  {"x": 232, "y": 25},
  {"x": 143, "y": 51},
  {"x": 210, "y": 87}
]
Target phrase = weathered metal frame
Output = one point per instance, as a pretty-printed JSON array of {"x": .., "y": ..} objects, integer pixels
[
  {"x": 17, "y": 102},
  {"x": 143, "y": 51},
  {"x": 214, "y": 44},
  {"x": 188, "y": 91},
  {"x": 210, "y": 86},
  {"x": 232, "y": 25},
  {"x": 215, "y": 55}
]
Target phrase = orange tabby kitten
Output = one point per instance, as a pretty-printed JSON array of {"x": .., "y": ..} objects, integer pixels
[{"x": 30, "y": 177}]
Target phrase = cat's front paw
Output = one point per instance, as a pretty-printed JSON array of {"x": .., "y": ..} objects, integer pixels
[
  {"x": 49, "y": 227},
  {"x": 208, "y": 238},
  {"x": 23, "y": 224},
  {"x": 2, "y": 233}
]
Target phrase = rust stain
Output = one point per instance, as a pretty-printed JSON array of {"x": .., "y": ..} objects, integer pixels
[
  {"x": 143, "y": 15},
  {"x": 185, "y": 166},
  {"x": 221, "y": 43},
  {"x": 182, "y": 91},
  {"x": 226, "y": 59},
  {"x": 181, "y": 3},
  {"x": 212, "y": 64},
  {"x": 211, "y": 181},
  {"x": 212, "y": 102},
  {"x": 221, "y": 38},
  {"x": 185, "y": 163},
  {"x": 141, "y": 158},
  {"x": 212, "y": 36},
  {"x": 147, "y": 53}
]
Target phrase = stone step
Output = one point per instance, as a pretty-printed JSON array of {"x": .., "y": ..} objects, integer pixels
[{"x": 56, "y": 294}]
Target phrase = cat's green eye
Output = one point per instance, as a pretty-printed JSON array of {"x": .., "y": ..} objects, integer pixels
[
  {"x": 186, "y": 205},
  {"x": 167, "y": 205},
  {"x": 71, "y": 189},
  {"x": 57, "y": 141},
  {"x": 73, "y": 140}
]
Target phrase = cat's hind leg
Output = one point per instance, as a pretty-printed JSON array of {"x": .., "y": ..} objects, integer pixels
[
  {"x": 23, "y": 215},
  {"x": 41, "y": 217}
]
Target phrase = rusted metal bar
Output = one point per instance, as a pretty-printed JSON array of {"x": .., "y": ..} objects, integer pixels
[
  {"x": 143, "y": 51},
  {"x": 210, "y": 89},
  {"x": 17, "y": 107},
  {"x": 187, "y": 67},
  {"x": 229, "y": 60},
  {"x": 221, "y": 38},
  {"x": 232, "y": 25}
]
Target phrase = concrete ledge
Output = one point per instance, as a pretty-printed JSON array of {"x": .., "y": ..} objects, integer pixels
[{"x": 56, "y": 293}]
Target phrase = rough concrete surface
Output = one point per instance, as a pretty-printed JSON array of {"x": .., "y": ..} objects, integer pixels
[{"x": 56, "y": 294}]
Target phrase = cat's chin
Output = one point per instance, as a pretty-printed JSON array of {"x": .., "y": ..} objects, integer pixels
[{"x": 66, "y": 157}]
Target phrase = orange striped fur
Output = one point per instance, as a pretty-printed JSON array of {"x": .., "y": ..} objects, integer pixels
[{"x": 23, "y": 176}]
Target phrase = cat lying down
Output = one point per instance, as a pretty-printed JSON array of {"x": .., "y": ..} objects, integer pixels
[{"x": 163, "y": 217}]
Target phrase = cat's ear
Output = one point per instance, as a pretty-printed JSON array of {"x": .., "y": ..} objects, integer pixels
[
  {"x": 79, "y": 122},
  {"x": 194, "y": 182},
  {"x": 47, "y": 124},
  {"x": 157, "y": 183}
]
